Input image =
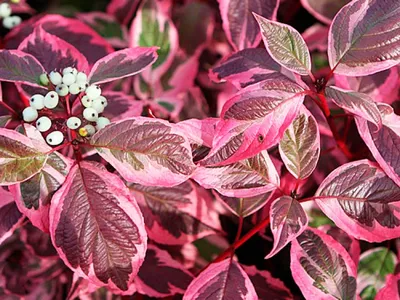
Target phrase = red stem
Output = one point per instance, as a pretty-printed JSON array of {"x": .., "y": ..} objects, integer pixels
[
  {"x": 59, "y": 147},
  {"x": 10, "y": 109}
]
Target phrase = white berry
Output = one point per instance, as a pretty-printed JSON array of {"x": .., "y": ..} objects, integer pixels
[
  {"x": 93, "y": 92},
  {"x": 86, "y": 102},
  {"x": 5, "y": 10},
  {"x": 44, "y": 80},
  {"x": 90, "y": 114},
  {"x": 74, "y": 89},
  {"x": 62, "y": 90},
  {"x": 102, "y": 122},
  {"x": 82, "y": 86},
  {"x": 81, "y": 78},
  {"x": 29, "y": 114},
  {"x": 11, "y": 22},
  {"x": 55, "y": 138},
  {"x": 55, "y": 78},
  {"x": 73, "y": 123},
  {"x": 70, "y": 70},
  {"x": 103, "y": 100},
  {"x": 37, "y": 101},
  {"x": 51, "y": 100},
  {"x": 90, "y": 129},
  {"x": 69, "y": 79},
  {"x": 97, "y": 105},
  {"x": 43, "y": 124}
]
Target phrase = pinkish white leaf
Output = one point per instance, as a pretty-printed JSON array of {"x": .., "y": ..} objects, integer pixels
[
  {"x": 384, "y": 144},
  {"x": 153, "y": 28},
  {"x": 199, "y": 132},
  {"x": 10, "y": 217},
  {"x": 121, "y": 64},
  {"x": 254, "y": 120},
  {"x": 285, "y": 45},
  {"x": 316, "y": 37},
  {"x": 300, "y": 146},
  {"x": 356, "y": 103},
  {"x": 266, "y": 286},
  {"x": 362, "y": 200},
  {"x": 324, "y": 10},
  {"x": 20, "y": 159},
  {"x": 33, "y": 196},
  {"x": 288, "y": 221},
  {"x": 176, "y": 215},
  {"x": 172, "y": 277},
  {"x": 94, "y": 211},
  {"x": 123, "y": 10},
  {"x": 321, "y": 267},
  {"x": 17, "y": 66},
  {"x": 146, "y": 151},
  {"x": 121, "y": 106},
  {"x": 245, "y": 178},
  {"x": 239, "y": 25},
  {"x": 391, "y": 290},
  {"x": 224, "y": 280},
  {"x": 364, "y": 37}
]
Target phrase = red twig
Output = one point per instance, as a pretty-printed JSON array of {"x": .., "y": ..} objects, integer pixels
[
  {"x": 62, "y": 146},
  {"x": 10, "y": 109}
]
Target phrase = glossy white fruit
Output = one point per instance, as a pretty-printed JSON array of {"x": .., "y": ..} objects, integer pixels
[
  {"x": 90, "y": 114},
  {"x": 62, "y": 90},
  {"x": 51, "y": 100},
  {"x": 81, "y": 78},
  {"x": 5, "y": 10},
  {"x": 69, "y": 78},
  {"x": 11, "y": 22},
  {"x": 103, "y": 101},
  {"x": 90, "y": 129},
  {"x": 55, "y": 78},
  {"x": 74, "y": 89},
  {"x": 44, "y": 80},
  {"x": 29, "y": 114},
  {"x": 93, "y": 92},
  {"x": 102, "y": 122},
  {"x": 37, "y": 101},
  {"x": 86, "y": 102},
  {"x": 43, "y": 124},
  {"x": 97, "y": 105},
  {"x": 74, "y": 123},
  {"x": 70, "y": 70},
  {"x": 55, "y": 138}
]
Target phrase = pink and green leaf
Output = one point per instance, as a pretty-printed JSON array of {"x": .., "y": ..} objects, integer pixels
[
  {"x": 362, "y": 200},
  {"x": 364, "y": 37},
  {"x": 321, "y": 267},
  {"x": 97, "y": 227},
  {"x": 223, "y": 280},
  {"x": 121, "y": 106},
  {"x": 238, "y": 23},
  {"x": 392, "y": 288},
  {"x": 146, "y": 151},
  {"x": 10, "y": 216},
  {"x": 324, "y": 10}
]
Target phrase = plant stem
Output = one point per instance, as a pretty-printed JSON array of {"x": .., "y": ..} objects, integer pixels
[
  {"x": 59, "y": 147},
  {"x": 9, "y": 108}
]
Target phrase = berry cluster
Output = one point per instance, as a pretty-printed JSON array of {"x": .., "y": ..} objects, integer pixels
[
  {"x": 64, "y": 89},
  {"x": 9, "y": 21}
]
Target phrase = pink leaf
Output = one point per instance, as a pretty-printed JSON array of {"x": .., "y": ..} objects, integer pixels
[
  {"x": 384, "y": 144},
  {"x": 94, "y": 211},
  {"x": 357, "y": 45},
  {"x": 288, "y": 221},
  {"x": 300, "y": 146},
  {"x": 245, "y": 178},
  {"x": 381, "y": 87},
  {"x": 248, "y": 66},
  {"x": 38, "y": 241},
  {"x": 176, "y": 215},
  {"x": 321, "y": 267},
  {"x": 146, "y": 151},
  {"x": 324, "y": 10},
  {"x": 254, "y": 120},
  {"x": 73, "y": 31},
  {"x": 10, "y": 217},
  {"x": 153, "y": 28},
  {"x": 121, "y": 64},
  {"x": 20, "y": 157},
  {"x": 239, "y": 25},
  {"x": 223, "y": 280},
  {"x": 285, "y": 45},
  {"x": 172, "y": 277},
  {"x": 356, "y": 103},
  {"x": 123, "y": 10},
  {"x": 266, "y": 286},
  {"x": 121, "y": 106},
  {"x": 33, "y": 196},
  {"x": 316, "y": 37},
  {"x": 362, "y": 200},
  {"x": 17, "y": 66},
  {"x": 391, "y": 289}
]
